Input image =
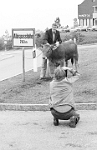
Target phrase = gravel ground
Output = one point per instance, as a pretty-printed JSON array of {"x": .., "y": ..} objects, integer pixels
[{"x": 34, "y": 130}]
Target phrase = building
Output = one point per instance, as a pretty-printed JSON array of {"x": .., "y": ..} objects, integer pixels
[{"x": 87, "y": 13}]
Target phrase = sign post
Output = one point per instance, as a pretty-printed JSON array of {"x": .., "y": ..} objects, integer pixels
[
  {"x": 23, "y": 38},
  {"x": 23, "y": 63}
]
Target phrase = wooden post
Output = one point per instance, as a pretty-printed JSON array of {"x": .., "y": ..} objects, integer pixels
[{"x": 23, "y": 63}]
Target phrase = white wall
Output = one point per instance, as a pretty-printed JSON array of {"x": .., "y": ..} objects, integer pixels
[
  {"x": 91, "y": 22},
  {"x": 88, "y": 22},
  {"x": 84, "y": 22},
  {"x": 81, "y": 22}
]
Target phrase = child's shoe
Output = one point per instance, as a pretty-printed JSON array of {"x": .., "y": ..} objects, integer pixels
[
  {"x": 77, "y": 119},
  {"x": 73, "y": 121}
]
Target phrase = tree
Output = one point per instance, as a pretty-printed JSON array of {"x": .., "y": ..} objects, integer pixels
[
  {"x": 1, "y": 44},
  {"x": 7, "y": 40},
  {"x": 75, "y": 22},
  {"x": 57, "y": 22}
]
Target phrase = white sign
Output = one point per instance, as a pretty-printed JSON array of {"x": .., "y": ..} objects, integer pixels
[
  {"x": 23, "y": 37},
  {"x": 84, "y": 15}
]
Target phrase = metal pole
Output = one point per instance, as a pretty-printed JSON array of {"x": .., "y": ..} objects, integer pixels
[{"x": 23, "y": 55}]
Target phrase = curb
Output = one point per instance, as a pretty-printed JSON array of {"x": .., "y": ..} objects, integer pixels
[
  {"x": 6, "y": 57},
  {"x": 42, "y": 107}
]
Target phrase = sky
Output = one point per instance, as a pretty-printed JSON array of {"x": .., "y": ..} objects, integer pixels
[{"x": 38, "y": 14}]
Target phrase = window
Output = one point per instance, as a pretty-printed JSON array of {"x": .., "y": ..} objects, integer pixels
[
  {"x": 95, "y": 9},
  {"x": 86, "y": 22}
]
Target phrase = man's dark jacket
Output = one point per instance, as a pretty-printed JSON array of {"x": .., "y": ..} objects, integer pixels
[{"x": 49, "y": 37}]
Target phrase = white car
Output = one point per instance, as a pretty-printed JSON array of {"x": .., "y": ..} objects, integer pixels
[
  {"x": 73, "y": 29},
  {"x": 84, "y": 28},
  {"x": 63, "y": 29},
  {"x": 79, "y": 28},
  {"x": 93, "y": 28}
]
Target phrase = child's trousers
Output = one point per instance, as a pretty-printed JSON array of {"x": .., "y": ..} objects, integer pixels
[{"x": 64, "y": 116}]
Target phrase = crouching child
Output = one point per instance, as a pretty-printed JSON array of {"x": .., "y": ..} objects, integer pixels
[{"x": 62, "y": 105}]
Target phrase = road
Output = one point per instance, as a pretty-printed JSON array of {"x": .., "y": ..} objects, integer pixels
[{"x": 11, "y": 62}]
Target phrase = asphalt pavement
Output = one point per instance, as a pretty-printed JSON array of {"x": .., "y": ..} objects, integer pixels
[
  {"x": 34, "y": 130},
  {"x": 11, "y": 62}
]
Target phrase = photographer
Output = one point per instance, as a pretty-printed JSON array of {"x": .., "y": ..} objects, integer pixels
[{"x": 61, "y": 96}]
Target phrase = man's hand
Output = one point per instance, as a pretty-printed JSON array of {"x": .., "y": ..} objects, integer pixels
[
  {"x": 74, "y": 72},
  {"x": 70, "y": 69},
  {"x": 57, "y": 44}
]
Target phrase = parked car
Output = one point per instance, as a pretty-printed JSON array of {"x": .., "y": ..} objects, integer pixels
[
  {"x": 63, "y": 29},
  {"x": 84, "y": 28},
  {"x": 73, "y": 29},
  {"x": 79, "y": 28},
  {"x": 67, "y": 29},
  {"x": 93, "y": 28}
]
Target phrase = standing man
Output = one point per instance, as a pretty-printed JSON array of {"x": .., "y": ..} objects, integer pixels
[{"x": 52, "y": 37}]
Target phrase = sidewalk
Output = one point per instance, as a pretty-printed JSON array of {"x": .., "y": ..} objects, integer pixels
[{"x": 34, "y": 130}]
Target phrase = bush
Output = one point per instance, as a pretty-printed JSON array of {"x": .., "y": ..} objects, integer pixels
[
  {"x": 9, "y": 45},
  {"x": 78, "y": 36},
  {"x": 1, "y": 44}
]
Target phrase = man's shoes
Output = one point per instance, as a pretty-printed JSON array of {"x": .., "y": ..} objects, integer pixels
[
  {"x": 55, "y": 122},
  {"x": 73, "y": 121}
]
